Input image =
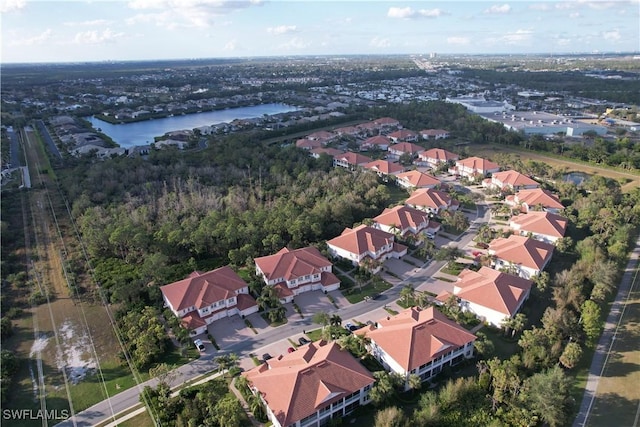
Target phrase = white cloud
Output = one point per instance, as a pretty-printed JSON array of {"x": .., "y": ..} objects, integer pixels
[
  {"x": 400, "y": 12},
  {"x": 379, "y": 42},
  {"x": 230, "y": 45},
  {"x": 295, "y": 43},
  {"x": 189, "y": 13},
  {"x": 408, "y": 12},
  {"x": 612, "y": 35},
  {"x": 31, "y": 41},
  {"x": 517, "y": 37},
  {"x": 574, "y": 15},
  {"x": 498, "y": 9},
  {"x": 460, "y": 41},
  {"x": 282, "y": 29},
  {"x": 96, "y": 37},
  {"x": 91, "y": 23},
  {"x": 7, "y": 6},
  {"x": 540, "y": 6}
]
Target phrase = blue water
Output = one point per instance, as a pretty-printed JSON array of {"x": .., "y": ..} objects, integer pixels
[
  {"x": 578, "y": 178},
  {"x": 143, "y": 133}
]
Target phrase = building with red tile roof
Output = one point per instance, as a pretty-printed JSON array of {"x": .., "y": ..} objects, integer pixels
[
  {"x": 434, "y": 157},
  {"x": 434, "y": 134},
  {"x": 545, "y": 226},
  {"x": 347, "y": 130},
  {"x": 415, "y": 179},
  {"x": 308, "y": 387},
  {"x": 490, "y": 294},
  {"x": 384, "y": 167},
  {"x": 403, "y": 135},
  {"x": 386, "y": 122},
  {"x": 308, "y": 144},
  {"x": 510, "y": 181},
  {"x": 419, "y": 342},
  {"x": 474, "y": 168},
  {"x": 202, "y": 298},
  {"x": 530, "y": 200},
  {"x": 364, "y": 244},
  {"x": 378, "y": 142},
  {"x": 322, "y": 136},
  {"x": 333, "y": 152},
  {"x": 431, "y": 201},
  {"x": 350, "y": 160},
  {"x": 407, "y": 221},
  {"x": 402, "y": 148},
  {"x": 527, "y": 257},
  {"x": 296, "y": 271}
]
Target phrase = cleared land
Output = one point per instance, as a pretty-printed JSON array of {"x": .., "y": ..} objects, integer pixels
[{"x": 632, "y": 180}]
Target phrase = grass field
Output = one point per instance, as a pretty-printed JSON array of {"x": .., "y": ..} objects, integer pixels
[
  {"x": 571, "y": 165},
  {"x": 617, "y": 400}
]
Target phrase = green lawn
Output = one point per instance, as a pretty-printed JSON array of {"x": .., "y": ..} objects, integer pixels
[{"x": 357, "y": 294}]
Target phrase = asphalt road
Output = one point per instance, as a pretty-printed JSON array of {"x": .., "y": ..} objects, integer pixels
[
  {"x": 14, "y": 148},
  {"x": 105, "y": 410}
]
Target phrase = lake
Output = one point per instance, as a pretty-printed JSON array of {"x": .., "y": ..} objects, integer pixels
[
  {"x": 578, "y": 178},
  {"x": 143, "y": 133}
]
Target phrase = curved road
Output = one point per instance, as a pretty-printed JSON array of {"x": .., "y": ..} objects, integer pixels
[{"x": 107, "y": 409}]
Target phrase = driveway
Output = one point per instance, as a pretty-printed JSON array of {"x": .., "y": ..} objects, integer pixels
[
  {"x": 313, "y": 302},
  {"x": 231, "y": 330}
]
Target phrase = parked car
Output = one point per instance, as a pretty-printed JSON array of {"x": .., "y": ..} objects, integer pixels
[
  {"x": 303, "y": 341},
  {"x": 375, "y": 296},
  {"x": 430, "y": 236},
  {"x": 482, "y": 245},
  {"x": 291, "y": 350},
  {"x": 199, "y": 345},
  {"x": 350, "y": 327},
  {"x": 266, "y": 357}
]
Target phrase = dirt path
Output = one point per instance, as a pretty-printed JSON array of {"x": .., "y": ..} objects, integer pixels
[{"x": 571, "y": 166}]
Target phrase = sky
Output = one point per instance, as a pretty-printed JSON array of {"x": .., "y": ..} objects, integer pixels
[{"x": 116, "y": 30}]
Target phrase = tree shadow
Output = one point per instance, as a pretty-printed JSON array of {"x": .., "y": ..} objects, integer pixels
[{"x": 611, "y": 409}]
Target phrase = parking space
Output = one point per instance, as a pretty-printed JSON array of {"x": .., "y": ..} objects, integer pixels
[
  {"x": 399, "y": 267},
  {"x": 231, "y": 330},
  {"x": 313, "y": 302}
]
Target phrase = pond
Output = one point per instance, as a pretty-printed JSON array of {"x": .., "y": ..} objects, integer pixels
[
  {"x": 577, "y": 177},
  {"x": 142, "y": 133}
]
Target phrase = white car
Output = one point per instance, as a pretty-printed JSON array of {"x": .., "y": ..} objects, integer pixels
[{"x": 199, "y": 344}]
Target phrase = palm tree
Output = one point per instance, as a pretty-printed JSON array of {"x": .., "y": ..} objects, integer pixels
[
  {"x": 321, "y": 318},
  {"x": 335, "y": 320},
  {"x": 518, "y": 324},
  {"x": 414, "y": 382},
  {"x": 407, "y": 293}
]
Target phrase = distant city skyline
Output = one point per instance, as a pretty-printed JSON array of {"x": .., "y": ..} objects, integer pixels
[{"x": 105, "y": 30}]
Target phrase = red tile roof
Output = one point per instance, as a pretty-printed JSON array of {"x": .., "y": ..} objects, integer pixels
[
  {"x": 301, "y": 383},
  {"x": 434, "y": 132},
  {"x": 403, "y": 134},
  {"x": 429, "y": 197},
  {"x": 203, "y": 289},
  {"x": 333, "y": 152},
  {"x": 522, "y": 250},
  {"x": 406, "y": 147},
  {"x": 546, "y": 223},
  {"x": 513, "y": 179},
  {"x": 362, "y": 239},
  {"x": 439, "y": 154},
  {"x": 535, "y": 197},
  {"x": 418, "y": 179},
  {"x": 386, "y": 121},
  {"x": 403, "y": 217},
  {"x": 292, "y": 264},
  {"x": 378, "y": 140},
  {"x": 414, "y": 337},
  {"x": 384, "y": 167},
  {"x": 353, "y": 158},
  {"x": 493, "y": 289},
  {"x": 478, "y": 163},
  {"x": 308, "y": 144}
]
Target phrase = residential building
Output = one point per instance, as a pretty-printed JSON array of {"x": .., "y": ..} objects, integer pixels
[
  {"x": 434, "y": 134},
  {"x": 308, "y": 144},
  {"x": 350, "y": 160},
  {"x": 402, "y": 148},
  {"x": 386, "y": 123},
  {"x": 333, "y": 152},
  {"x": 384, "y": 167},
  {"x": 378, "y": 142},
  {"x": 434, "y": 157},
  {"x": 474, "y": 168},
  {"x": 490, "y": 294},
  {"x": 535, "y": 199},
  {"x": 311, "y": 386},
  {"x": 415, "y": 179},
  {"x": 403, "y": 135},
  {"x": 510, "y": 181},
  {"x": 419, "y": 342},
  {"x": 366, "y": 246},
  {"x": 545, "y": 226},
  {"x": 521, "y": 255},
  {"x": 293, "y": 272},
  {"x": 323, "y": 136},
  {"x": 202, "y": 298},
  {"x": 432, "y": 201},
  {"x": 406, "y": 221}
]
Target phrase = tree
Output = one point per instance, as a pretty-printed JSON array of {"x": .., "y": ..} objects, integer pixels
[
  {"x": 414, "y": 382},
  {"x": 335, "y": 320},
  {"x": 448, "y": 253},
  {"x": 228, "y": 411},
  {"x": 571, "y": 355},
  {"x": 383, "y": 390},
  {"x": 548, "y": 395},
  {"x": 407, "y": 293},
  {"x": 321, "y": 318},
  {"x": 591, "y": 321},
  {"x": 268, "y": 297},
  {"x": 390, "y": 417},
  {"x": 518, "y": 324}
]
